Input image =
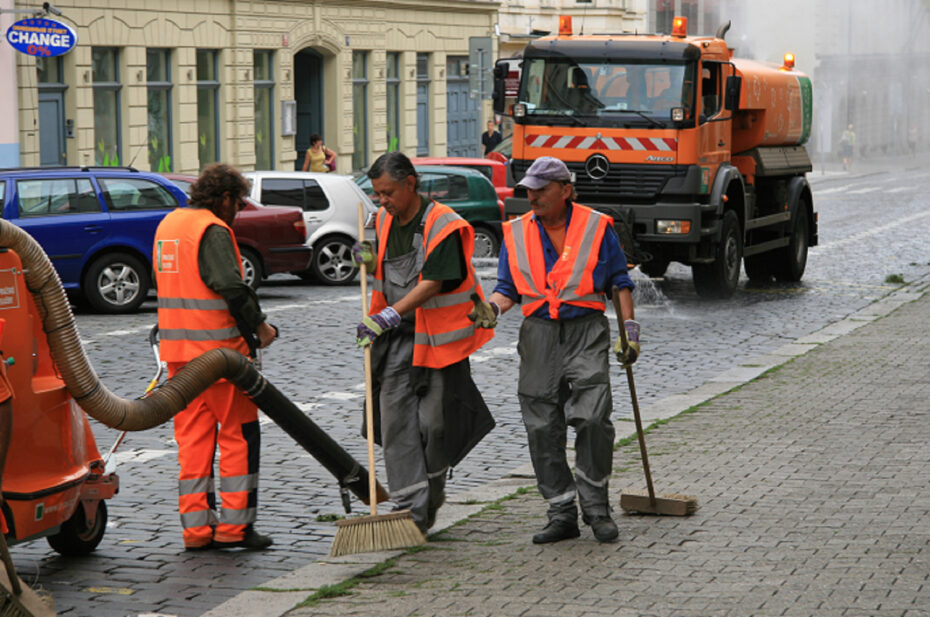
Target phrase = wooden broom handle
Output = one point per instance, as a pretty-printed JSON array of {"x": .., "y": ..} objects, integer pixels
[
  {"x": 615, "y": 296},
  {"x": 369, "y": 402}
]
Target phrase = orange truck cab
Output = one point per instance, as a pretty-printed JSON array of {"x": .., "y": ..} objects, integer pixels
[{"x": 697, "y": 155}]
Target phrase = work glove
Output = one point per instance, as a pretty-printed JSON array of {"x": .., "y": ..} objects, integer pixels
[
  {"x": 373, "y": 326},
  {"x": 364, "y": 253},
  {"x": 484, "y": 314},
  {"x": 628, "y": 357}
]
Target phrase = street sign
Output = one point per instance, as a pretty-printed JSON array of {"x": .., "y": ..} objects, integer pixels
[{"x": 41, "y": 37}]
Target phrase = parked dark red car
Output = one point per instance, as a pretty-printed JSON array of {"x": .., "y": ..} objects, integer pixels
[
  {"x": 493, "y": 170},
  {"x": 271, "y": 238}
]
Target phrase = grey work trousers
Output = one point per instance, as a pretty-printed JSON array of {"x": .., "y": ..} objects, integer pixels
[
  {"x": 564, "y": 380},
  {"x": 412, "y": 431}
]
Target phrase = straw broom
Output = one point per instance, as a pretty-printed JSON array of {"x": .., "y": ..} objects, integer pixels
[
  {"x": 670, "y": 504},
  {"x": 377, "y": 532}
]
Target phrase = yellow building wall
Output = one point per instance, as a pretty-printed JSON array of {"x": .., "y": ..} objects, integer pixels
[{"x": 236, "y": 27}]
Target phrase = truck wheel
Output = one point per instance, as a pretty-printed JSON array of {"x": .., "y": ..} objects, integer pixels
[
  {"x": 654, "y": 268},
  {"x": 789, "y": 262},
  {"x": 758, "y": 267},
  {"x": 720, "y": 278},
  {"x": 75, "y": 537}
]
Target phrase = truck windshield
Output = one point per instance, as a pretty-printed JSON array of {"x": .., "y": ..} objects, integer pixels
[{"x": 606, "y": 92}]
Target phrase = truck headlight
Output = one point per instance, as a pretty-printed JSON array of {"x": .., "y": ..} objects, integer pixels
[
  {"x": 519, "y": 110},
  {"x": 673, "y": 227}
]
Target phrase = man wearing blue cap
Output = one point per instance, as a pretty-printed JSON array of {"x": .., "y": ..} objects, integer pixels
[{"x": 559, "y": 262}]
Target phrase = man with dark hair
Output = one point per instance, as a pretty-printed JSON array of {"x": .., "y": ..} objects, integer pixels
[
  {"x": 204, "y": 304},
  {"x": 559, "y": 261},
  {"x": 421, "y": 337}
]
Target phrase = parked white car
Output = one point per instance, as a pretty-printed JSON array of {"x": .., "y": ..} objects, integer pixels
[{"x": 330, "y": 206}]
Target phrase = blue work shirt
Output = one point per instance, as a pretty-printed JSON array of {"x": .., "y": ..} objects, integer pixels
[{"x": 609, "y": 272}]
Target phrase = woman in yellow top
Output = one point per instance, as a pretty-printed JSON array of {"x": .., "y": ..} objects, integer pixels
[{"x": 319, "y": 157}]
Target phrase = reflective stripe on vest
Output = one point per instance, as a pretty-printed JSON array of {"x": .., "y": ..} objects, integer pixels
[
  {"x": 570, "y": 280},
  {"x": 192, "y": 318},
  {"x": 443, "y": 333}
]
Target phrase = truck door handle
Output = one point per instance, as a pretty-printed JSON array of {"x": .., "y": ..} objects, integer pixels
[{"x": 721, "y": 143}]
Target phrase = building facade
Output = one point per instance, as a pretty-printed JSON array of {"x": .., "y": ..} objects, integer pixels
[{"x": 176, "y": 85}]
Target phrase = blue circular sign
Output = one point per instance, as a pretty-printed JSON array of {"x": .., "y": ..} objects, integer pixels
[{"x": 44, "y": 38}]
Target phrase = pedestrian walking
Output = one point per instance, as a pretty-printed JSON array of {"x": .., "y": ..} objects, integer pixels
[
  {"x": 491, "y": 139},
  {"x": 319, "y": 158},
  {"x": 431, "y": 413},
  {"x": 559, "y": 262},
  {"x": 204, "y": 304},
  {"x": 847, "y": 147}
]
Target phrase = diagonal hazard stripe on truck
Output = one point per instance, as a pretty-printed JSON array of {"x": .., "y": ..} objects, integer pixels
[{"x": 569, "y": 142}]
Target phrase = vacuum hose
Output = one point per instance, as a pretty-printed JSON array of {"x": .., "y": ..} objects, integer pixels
[{"x": 161, "y": 405}]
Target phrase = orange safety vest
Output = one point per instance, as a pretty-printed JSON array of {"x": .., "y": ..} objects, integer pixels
[
  {"x": 192, "y": 318},
  {"x": 443, "y": 333},
  {"x": 571, "y": 279}
]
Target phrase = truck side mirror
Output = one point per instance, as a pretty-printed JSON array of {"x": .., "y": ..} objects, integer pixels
[
  {"x": 499, "y": 95},
  {"x": 731, "y": 96}
]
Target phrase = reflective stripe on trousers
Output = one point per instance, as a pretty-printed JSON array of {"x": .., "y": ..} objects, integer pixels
[{"x": 220, "y": 417}]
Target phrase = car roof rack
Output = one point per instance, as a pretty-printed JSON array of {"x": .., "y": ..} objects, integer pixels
[{"x": 70, "y": 167}]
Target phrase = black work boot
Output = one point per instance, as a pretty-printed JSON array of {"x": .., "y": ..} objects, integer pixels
[
  {"x": 604, "y": 528},
  {"x": 252, "y": 540},
  {"x": 555, "y": 530}
]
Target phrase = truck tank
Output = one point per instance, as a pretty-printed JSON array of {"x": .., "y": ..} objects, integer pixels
[{"x": 775, "y": 106}]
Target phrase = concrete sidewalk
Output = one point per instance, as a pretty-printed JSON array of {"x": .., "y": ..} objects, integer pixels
[{"x": 814, "y": 486}]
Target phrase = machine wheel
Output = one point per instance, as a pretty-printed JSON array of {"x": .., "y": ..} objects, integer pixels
[
  {"x": 75, "y": 538},
  {"x": 720, "y": 278},
  {"x": 251, "y": 267},
  {"x": 116, "y": 283},
  {"x": 790, "y": 261},
  {"x": 486, "y": 243},
  {"x": 758, "y": 267},
  {"x": 654, "y": 268},
  {"x": 332, "y": 262}
]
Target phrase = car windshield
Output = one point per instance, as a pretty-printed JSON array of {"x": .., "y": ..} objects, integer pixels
[{"x": 605, "y": 92}]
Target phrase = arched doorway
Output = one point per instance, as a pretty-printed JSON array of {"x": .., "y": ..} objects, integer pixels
[{"x": 308, "y": 91}]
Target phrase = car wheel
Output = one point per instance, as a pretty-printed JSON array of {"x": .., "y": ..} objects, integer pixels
[
  {"x": 720, "y": 278},
  {"x": 75, "y": 537},
  {"x": 486, "y": 243},
  {"x": 116, "y": 283},
  {"x": 251, "y": 267},
  {"x": 332, "y": 262}
]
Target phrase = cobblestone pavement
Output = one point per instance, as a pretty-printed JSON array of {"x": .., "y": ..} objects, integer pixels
[
  {"x": 871, "y": 226},
  {"x": 812, "y": 482}
]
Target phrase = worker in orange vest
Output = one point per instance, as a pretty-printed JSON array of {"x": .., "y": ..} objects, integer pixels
[
  {"x": 431, "y": 413},
  {"x": 204, "y": 304},
  {"x": 558, "y": 262}
]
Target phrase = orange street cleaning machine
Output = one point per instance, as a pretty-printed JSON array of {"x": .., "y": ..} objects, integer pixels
[{"x": 55, "y": 483}]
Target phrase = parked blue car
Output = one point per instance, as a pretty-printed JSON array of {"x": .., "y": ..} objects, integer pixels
[{"x": 97, "y": 225}]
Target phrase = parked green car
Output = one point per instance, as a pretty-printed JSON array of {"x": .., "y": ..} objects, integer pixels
[{"x": 466, "y": 191}]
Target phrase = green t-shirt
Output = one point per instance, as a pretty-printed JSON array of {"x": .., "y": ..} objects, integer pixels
[{"x": 447, "y": 261}]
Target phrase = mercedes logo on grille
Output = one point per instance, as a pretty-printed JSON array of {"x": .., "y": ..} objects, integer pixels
[{"x": 597, "y": 167}]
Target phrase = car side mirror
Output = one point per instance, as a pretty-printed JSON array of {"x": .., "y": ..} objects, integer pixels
[{"x": 501, "y": 69}]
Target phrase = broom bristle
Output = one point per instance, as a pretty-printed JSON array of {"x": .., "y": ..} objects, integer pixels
[
  {"x": 690, "y": 501},
  {"x": 381, "y": 532}
]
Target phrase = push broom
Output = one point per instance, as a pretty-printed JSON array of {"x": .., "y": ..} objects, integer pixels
[
  {"x": 377, "y": 532},
  {"x": 649, "y": 503}
]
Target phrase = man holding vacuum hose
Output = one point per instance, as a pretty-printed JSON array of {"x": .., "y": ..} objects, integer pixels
[
  {"x": 204, "y": 304},
  {"x": 559, "y": 261},
  {"x": 423, "y": 282}
]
